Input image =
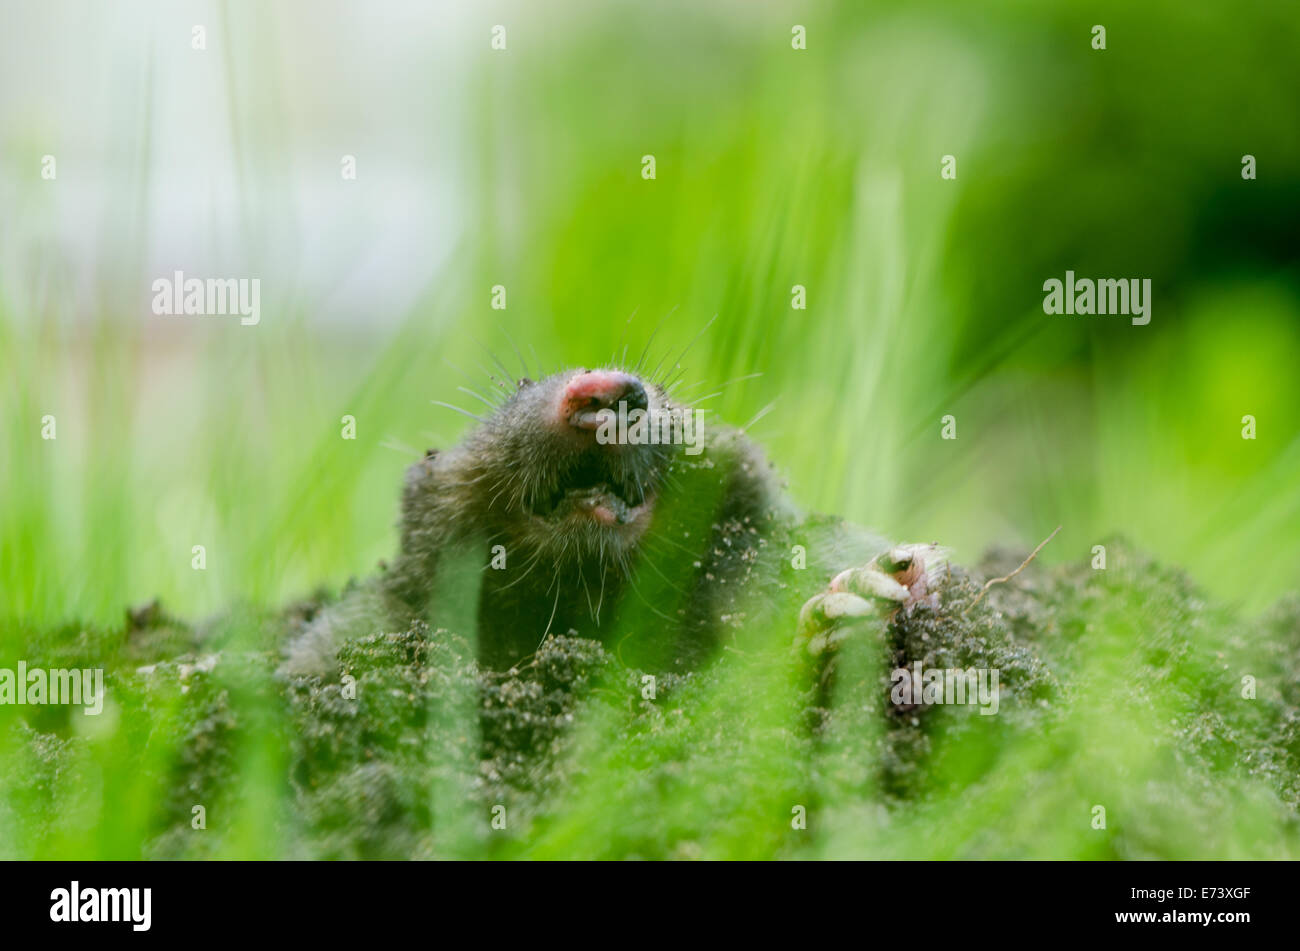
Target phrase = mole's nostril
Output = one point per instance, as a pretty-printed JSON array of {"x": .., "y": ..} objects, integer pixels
[{"x": 634, "y": 396}]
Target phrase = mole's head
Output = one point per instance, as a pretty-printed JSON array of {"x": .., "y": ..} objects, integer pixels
[{"x": 564, "y": 467}]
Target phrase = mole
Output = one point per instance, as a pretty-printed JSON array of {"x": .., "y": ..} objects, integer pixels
[{"x": 539, "y": 523}]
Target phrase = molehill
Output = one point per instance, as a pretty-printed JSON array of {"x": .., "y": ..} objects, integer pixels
[{"x": 1126, "y": 689}]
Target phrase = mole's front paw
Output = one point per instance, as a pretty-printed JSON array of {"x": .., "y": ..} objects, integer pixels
[{"x": 896, "y": 579}]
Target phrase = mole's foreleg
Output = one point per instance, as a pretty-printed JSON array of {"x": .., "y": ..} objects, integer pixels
[{"x": 896, "y": 579}]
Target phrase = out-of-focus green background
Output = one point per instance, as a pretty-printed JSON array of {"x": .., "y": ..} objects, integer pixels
[{"x": 522, "y": 167}]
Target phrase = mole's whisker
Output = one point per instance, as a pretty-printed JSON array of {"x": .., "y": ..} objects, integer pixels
[
  {"x": 759, "y": 415},
  {"x": 478, "y": 396},
  {"x": 522, "y": 362},
  {"x": 463, "y": 412}
]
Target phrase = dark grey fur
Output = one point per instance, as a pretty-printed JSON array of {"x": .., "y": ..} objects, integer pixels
[{"x": 720, "y": 531}]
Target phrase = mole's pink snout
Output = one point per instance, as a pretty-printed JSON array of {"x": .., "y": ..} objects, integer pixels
[{"x": 591, "y": 391}]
